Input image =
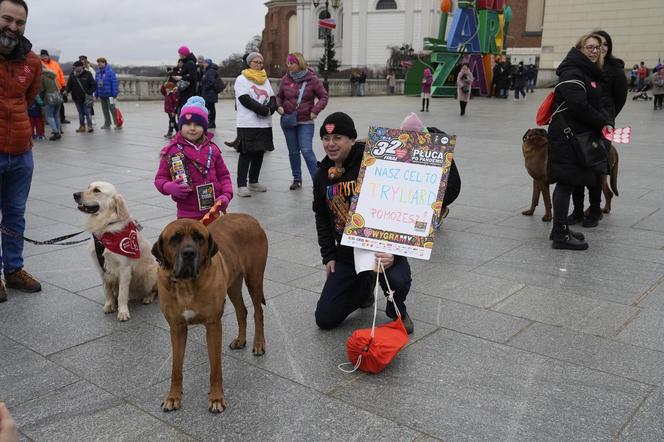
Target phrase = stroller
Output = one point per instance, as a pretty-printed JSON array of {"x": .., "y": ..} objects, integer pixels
[{"x": 642, "y": 94}]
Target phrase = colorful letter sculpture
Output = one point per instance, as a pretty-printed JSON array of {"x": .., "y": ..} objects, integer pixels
[{"x": 477, "y": 34}]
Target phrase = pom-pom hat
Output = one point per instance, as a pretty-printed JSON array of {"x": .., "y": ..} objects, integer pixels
[{"x": 194, "y": 111}]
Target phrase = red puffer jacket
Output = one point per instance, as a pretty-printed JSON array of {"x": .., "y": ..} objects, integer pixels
[
  {"x": 314, "y": 98},
  {"x": 20, "y": 80}
]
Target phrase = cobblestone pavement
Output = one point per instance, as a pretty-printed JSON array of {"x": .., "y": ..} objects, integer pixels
[{"x": 513, "y": 340}]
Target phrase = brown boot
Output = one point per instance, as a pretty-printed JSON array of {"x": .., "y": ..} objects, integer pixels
[
  {"x": 81, "y": 129},
  {"x": 3, "y": 292},
  {"x": 22, "y": 281}
]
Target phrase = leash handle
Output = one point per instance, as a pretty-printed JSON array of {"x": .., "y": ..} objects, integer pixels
[{"x": 213, "y": 213}]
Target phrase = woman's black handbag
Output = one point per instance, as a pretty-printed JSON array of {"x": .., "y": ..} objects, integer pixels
[{"x": 587, "y": 147}]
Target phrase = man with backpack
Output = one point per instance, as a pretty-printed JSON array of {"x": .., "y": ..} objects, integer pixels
[{"x": 211, "y": 86}]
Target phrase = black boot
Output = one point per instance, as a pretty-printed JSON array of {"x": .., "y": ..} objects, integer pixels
[
  {"x": 423, "y": 101},
  {"x": 594, "y": 215},
  {"x": 427, "y": 106},
  {"x": 562, "y": 239},
  {"x": 575, "y": 217},
  {"x": 577, "y": 235}
]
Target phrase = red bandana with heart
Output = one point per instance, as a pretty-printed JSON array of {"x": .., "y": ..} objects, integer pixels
[
  {"x": 330, "y": 127},
  {"x": 124, "y": 242}
]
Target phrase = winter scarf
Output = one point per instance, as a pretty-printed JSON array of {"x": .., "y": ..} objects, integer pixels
[{"x": 258, "y": 77}]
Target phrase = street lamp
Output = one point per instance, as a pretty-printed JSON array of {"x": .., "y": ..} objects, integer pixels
[{"x": 328, "y": 36}]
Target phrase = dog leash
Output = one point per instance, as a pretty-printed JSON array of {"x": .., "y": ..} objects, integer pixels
[{"x": 49, "y": 242}]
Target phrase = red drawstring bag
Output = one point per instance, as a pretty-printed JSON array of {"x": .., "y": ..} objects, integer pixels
[
  {"x": 546, "y": 111},
  {"x": 119, "y": 121},
  {"x": 372, "y": 349}
]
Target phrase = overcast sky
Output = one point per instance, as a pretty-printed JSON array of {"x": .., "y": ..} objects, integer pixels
[{"x": 143, "y": 31}]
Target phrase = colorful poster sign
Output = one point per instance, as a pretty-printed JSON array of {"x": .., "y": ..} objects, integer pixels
[{"x": 401, "y": 185}]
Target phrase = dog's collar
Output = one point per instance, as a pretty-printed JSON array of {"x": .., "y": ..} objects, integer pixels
[{"x": 124, "y": 242}]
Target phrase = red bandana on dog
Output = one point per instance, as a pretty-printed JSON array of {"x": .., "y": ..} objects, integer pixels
[{"x": 124, "y": 242}]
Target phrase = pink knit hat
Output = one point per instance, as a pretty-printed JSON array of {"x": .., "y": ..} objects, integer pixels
[
  {"x": 412, "y": 122},
  {"x": 184, "y": 51},
  {"x": 194, "y": 111}
]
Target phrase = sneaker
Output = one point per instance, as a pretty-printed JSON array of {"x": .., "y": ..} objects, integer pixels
[
  {"x": 90, "y": 129},
  {"x": 106, "y": 127},
  {"x": 243, "y": 192},
  {"x": 23, "y": 281},
  {"x": 118, "y": 128},
  {"x": 256, "y": 187},
  {"x": 66, "y": 121},
  {"x": 3, "y": 293},
  {"x": 296, "y": 185},
  {"x": 55, "y": 137},
  {"x": 168, "y": 135},
  {"x": 233, "y": 143}
]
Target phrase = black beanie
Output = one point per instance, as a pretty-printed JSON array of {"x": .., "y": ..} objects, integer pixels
[
  {"x": 338, "y": 123},
  {"x": 44, "y": 52}
]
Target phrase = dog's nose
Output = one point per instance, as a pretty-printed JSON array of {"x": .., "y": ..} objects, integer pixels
[
  {"x": 188, "y": 253},
  {"x": 77, "y": 196}
]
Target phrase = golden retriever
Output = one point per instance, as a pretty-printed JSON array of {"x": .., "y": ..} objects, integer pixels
[{"x": 129, "y": 273}]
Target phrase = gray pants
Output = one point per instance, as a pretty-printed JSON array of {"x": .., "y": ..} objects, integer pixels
[{"x": 105, "y": 106}]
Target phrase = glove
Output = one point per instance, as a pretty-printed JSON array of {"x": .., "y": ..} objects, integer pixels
[
  {"x": 177, "y": 190},
  {"x": 224, "y": 203}
]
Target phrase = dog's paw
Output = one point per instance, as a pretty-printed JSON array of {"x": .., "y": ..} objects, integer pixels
[
  {"x": 148, "y": 299},
  {"x": 528, "y": 212},
  {"x": 606, "y": 209},
  {"x": 216, "y": 403},
  {"x": 123, "y": 315},
  {"x": 237, "y": 344},
  {"x": 171, "y": 403},
  {"x": 258, "y": 349},
  {"x": 110, "y": 307},
  {"x": 547, "y": 218}
]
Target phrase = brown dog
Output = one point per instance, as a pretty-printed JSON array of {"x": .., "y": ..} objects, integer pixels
[
  {"x": 535, "y": 152},
  {"x": 198, "y": 266}
]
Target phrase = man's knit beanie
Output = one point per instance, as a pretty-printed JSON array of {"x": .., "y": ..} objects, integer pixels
[{"x": 338, "y": 123}]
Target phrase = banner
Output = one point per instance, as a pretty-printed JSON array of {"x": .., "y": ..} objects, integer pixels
[{"x": 401, "y": 186}]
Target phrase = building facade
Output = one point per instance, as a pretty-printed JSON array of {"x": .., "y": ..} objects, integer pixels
[
  {"x": 279, "y": 35},
  {"x": 636, "y": 28}
]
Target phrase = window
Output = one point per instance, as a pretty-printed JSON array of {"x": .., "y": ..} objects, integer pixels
[
  {"x": 322, "y": 32},
  {"x": 386, "y": 4}
]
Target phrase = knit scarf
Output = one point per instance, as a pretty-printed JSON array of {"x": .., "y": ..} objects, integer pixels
[
  {"x": 298, "y": 76},
  {"x": 258, "y": 77}
]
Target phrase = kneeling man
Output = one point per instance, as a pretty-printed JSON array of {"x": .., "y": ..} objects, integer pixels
[{"x": 334, "y": 185}]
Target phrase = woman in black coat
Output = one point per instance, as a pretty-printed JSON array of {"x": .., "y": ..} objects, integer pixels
[
  {"x": 582, "y": 113},
  {"x": 614, "y": 95}
]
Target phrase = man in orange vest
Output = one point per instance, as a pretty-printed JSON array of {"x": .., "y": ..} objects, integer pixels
[
  {"x": 54, "y": 66},
  {"x": 20, "y": 77}
]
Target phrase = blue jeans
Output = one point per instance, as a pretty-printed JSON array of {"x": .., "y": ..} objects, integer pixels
[
  {"x": 53, "y": 118},
  {"x": 15, "y": 180},
  {"x": 299, "y": 139},
  {"x": 84, "y": 113}
]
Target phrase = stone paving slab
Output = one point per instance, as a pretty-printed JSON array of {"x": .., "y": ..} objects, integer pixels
[
  {"x": 486, "y": 391},
  {"x": 513, "y": 340}
]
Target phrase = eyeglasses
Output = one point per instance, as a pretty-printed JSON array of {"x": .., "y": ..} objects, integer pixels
[{"x": 591, "y": 48}]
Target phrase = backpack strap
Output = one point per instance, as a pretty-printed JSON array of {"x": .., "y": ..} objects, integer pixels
[{"x": 560, "y": 107}]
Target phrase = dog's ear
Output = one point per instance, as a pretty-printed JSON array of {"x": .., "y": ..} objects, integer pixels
[
  {"x": 525, "y": 136},
  {"x": 213, "y": 248},
  {"x": 158, "y": 253},
  {"x": 120, "y": 207}
]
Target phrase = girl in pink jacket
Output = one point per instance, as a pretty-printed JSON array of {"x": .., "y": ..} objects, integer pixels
[{"x": 192, "y": 170}]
